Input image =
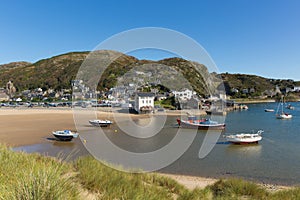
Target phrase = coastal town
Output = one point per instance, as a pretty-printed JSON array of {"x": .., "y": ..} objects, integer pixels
[{"x": 138, "y": 99}]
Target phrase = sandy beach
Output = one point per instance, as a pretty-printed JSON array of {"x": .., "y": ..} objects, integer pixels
[{"x": 21, "y": 127}]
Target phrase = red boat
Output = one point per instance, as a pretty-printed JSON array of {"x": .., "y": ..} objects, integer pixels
[{"x": 193, "y": 122}]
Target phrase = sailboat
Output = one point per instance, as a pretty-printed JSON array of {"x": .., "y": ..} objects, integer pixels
[{"x": 282, "y": 114}]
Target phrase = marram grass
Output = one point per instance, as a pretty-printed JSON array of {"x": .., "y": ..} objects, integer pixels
[{"x": 32, "y": 176}]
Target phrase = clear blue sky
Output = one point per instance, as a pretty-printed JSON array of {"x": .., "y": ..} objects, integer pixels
[{"x": 247, "y": 36}]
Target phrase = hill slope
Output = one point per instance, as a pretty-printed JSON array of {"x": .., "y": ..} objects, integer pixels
[{"x": 58, "y": 71}]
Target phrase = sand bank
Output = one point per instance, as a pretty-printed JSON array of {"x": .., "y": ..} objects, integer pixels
[{"x": 27, "y": 126}]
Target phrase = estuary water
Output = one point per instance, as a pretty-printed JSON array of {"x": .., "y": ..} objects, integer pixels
[{"x": 276, "y": 159}]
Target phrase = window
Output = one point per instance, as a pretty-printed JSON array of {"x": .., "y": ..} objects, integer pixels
[{"x": 143, "y": 101}]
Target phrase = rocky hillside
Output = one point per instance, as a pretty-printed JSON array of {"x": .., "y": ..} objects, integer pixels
[{"x": 57, "y": 72}]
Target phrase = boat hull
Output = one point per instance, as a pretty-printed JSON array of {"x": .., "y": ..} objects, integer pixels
[
  {"x": 236, "y": 141},
  {"x": 63, "y": 138},
  {"x": 247, "y": 138},
  {"x": 243, "y": 143},
  {"x": 284, "y": 116},
  {"x": 269, "y": 110},
  {"x": 64, "y": 135},
  {"x": 100, "y": 123},
  {"x": 186, "y": 124}
]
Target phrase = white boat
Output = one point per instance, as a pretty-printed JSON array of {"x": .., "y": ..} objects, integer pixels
[
  {"x": 282, "y": 114},
  {"x": 65, "y": 135},
  {"x": 100, "y": 123},
  {"x": 245, "y": 138},
  {"x": 269, "y": 110}
]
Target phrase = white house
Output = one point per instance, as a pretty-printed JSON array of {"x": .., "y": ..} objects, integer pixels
[
  {"x": 296, "y": 88},
  {"x": 144, "y": 102},
  {"x": 184, "y": 94}
]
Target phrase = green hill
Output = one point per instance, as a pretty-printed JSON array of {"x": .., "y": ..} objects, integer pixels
[
  {"x": 257, "y": 84},
  {"x": 58, "y": 71}
]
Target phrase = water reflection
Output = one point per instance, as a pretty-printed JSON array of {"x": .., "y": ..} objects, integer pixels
[
  {"x": 65, "y": 150},
  {"x": 244, "y": 150}
]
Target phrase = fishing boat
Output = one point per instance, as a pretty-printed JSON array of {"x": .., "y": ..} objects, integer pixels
[
  {"x": 65, "y": 135},
  {"x": 203, "y": 123},
  {"x": 100, "y": 123},
  {"x": 282, "y": 114},
  {"x": 245, "y": 138}
]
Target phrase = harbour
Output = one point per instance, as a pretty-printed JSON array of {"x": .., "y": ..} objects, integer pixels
[{"x": 278, "y": 150}]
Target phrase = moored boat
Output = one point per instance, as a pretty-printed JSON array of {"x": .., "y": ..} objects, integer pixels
[
  {"x": 192, "y": 122},
  {"x": 282, "y": 114},
  {"x": 269, "y": 110},
  {"x": 65, "y": 135},
  {"x": 100, "y": 123},
  {"x": 245, "y": 138}
]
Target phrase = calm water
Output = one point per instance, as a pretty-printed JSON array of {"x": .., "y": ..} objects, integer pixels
[{"x": 276, "y": 159}]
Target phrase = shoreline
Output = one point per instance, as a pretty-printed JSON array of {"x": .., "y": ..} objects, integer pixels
[
  {"x": 250, "y": 101},
  {"x": 193, "y": 182},
  {"x": 253, "y": 101}
]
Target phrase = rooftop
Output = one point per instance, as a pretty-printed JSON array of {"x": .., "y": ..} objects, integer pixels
[{"x": 145, "y": 94}]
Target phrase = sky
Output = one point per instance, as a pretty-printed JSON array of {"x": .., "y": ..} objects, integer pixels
[{"x": 241, "y": 36}]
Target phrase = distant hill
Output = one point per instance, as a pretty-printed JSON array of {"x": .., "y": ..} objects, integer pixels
[
  {"x": 258, "y": 83},
  {"x": 58, "y": 71}
]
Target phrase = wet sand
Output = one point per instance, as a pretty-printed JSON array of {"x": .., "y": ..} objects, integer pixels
[{"x": 27, "y": 127}]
